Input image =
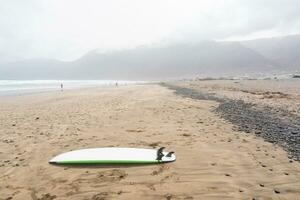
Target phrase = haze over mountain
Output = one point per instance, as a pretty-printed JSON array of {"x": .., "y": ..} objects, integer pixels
[
  {"x": 207, "y": 58},
  {"x": 282, "y": 50}
]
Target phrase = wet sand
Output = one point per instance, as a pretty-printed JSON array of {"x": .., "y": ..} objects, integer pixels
[{"x": 214, "y": 160}]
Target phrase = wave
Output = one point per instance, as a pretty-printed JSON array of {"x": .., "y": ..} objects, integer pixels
[{"x": 11, "y": 86}]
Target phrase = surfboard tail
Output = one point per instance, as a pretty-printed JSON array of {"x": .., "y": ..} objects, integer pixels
[{"x": 160, "y": 154}]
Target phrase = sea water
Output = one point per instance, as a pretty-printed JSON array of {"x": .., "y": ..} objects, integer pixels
[{"x": 15, "y": 87}]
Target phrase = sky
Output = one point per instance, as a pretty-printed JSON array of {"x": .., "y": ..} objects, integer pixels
[{"x": 67, "y": 29}]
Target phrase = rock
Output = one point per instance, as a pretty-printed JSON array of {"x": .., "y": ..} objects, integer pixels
[
  {"x": 276, "y": 126},
  {"x": 276, "y": 191},
  {"x": 294, "y": 132},
  {"x": 168, "y": 196}
]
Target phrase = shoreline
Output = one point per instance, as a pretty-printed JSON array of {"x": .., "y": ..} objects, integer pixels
[
  {"x": 16, "y": 87},
  {"x": 17, "y": 93}
]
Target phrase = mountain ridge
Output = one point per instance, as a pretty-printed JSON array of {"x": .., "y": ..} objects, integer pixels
[{"x": 172, "y": 61}]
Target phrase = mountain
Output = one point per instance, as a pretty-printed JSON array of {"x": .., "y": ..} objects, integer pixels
[
  {"x": 175, "y": 61},
  {"x": 281, "y": 50},
  {"x": 206, "y": 58}
]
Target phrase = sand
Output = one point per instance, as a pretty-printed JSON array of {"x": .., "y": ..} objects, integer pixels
[
  {"x": 281, "y": 93},
  {"x": 214, "y": 161}
]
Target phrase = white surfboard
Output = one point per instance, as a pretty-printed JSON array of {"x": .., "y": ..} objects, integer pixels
[{"x": 113, "y": 155}]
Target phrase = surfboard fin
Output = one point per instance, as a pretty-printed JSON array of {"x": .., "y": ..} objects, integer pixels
[
  {"x": 159, "y": 153},
  {"x": 170, "y": 154}
]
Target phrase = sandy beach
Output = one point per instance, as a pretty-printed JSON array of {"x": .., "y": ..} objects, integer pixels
[{"x": 215, "y": 158}]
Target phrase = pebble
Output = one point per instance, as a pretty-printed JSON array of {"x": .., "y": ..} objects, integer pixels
[
  {"x": 294, "y": 132},
  {"x": 168, "y": 196},
  {"x": 275, "y": 126},
  {"x": 276, "y": 191}
]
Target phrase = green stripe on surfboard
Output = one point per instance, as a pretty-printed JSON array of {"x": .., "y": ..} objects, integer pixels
[{"x": 107, "y": 162}]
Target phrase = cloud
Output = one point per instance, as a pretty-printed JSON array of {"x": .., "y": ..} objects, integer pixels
[{"x": 68, "y": 29}]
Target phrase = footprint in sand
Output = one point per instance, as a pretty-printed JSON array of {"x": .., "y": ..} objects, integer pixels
[
  {"x": 183, "y": 196},
  {"x": 98, "y": 179},
  {"x": 111, "y": 175},
  {"x": 105, "y": 195},
  {"x": 100, "y": 196},
  {"x": 151, "y": 186},
  {"x": 134, "y": 131},
  {"x": 47, "y": 197},
  {"x": 158, "y": 171},
  {"x": 170, "y": 176},
  {"x": 154, "y": 144},
  {"x": 162, "y": 170}
]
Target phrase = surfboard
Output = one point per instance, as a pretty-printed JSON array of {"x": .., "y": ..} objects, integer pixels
[{"x": 113, "y": 155}]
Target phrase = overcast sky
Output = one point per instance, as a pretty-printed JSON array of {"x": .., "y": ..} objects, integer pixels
[{"x": 67, "y": 29}]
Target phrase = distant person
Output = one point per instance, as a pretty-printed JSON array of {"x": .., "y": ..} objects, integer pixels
[
  {"x": 116, "y": 84},
  {"x": 61, "y": 87}
]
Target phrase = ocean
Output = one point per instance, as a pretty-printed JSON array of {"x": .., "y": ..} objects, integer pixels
[{"x": 18, "y": 87}]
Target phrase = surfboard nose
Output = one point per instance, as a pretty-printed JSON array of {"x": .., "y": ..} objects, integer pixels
[{"x": 52, "y": 161}]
